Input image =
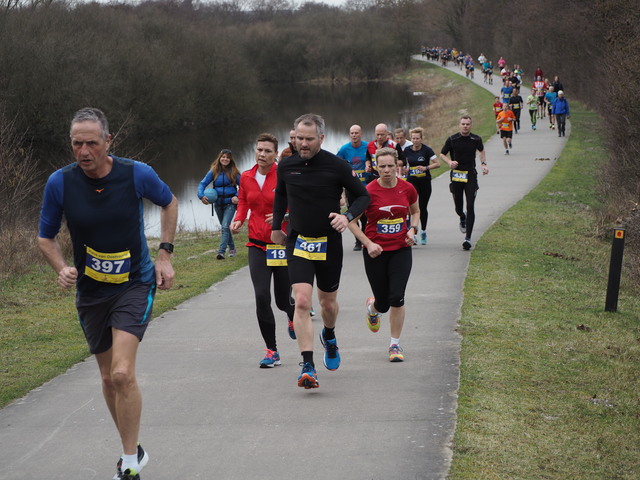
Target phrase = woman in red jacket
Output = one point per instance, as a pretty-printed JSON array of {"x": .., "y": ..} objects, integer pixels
[{"x": 265, "y": 258}]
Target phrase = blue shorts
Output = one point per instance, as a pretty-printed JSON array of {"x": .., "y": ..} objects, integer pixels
[{"x": 129, "y": 311}]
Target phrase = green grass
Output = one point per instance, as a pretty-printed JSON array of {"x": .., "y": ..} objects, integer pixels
[
  {"x": 40, "y": 336},
  {"x": 540, "y": 396}
]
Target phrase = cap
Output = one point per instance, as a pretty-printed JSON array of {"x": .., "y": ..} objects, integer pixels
[{"x": 560, "y": 92}]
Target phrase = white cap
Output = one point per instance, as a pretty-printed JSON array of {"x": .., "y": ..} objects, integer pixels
[{"x": 560, "y": 92}]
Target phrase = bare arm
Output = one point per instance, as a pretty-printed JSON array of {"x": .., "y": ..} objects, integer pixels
[
  {"x": 50, "y": 248},
  {"x": 168, "y": 223}
]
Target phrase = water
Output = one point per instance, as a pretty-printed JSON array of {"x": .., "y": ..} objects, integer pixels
[{"x": 183, "y": 159}]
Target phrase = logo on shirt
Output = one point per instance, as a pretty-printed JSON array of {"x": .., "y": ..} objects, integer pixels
[
  {"x": 389, "y": 208},
  {"x": 99, "y": 190}
]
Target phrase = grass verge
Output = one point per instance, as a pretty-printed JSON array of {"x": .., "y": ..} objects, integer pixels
[{"x": 549, "y": 381}]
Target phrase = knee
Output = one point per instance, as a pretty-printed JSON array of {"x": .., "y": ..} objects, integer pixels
[
  {"x": 122, "y": 378},
  {"x": 329, "y": 305}
]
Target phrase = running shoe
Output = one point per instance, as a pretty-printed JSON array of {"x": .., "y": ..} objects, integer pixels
[
  {"x": 130, "y": 474},
  {"x": 143, "y": 459},
  {"x": 423, "y": 238},
  {"x": 312, "y": 312},
  {"x": 220, "y": 256},
  {"x": 533, "y": 126},
  {"x": 395, "y": 353},
  {"x": 308, "y": 377},
  {"x": 271, "y": 359},
  {"x": 506, "y": 152},
  {"x": 466, "y": 244},
  {"x": 292, "y": 331},
  {"x": 232, "y": 252},
  {"x": 463, "y": 225},
  {"x": 373, "y": 319},
  {"x": 331, "y": 357}
]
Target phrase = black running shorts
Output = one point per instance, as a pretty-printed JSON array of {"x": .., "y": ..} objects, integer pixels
[
  {"x": 129, "y": 311},
  {"x": 326, "y": 272}
]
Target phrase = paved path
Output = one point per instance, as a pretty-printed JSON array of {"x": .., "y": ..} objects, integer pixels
[{"x": 211, "y": 413}]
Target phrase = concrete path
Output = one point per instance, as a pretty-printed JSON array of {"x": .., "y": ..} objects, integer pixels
[{"x": 211, "y": 413}]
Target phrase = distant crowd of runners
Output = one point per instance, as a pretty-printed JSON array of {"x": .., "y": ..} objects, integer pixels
[{"x": 547, "y": 98}]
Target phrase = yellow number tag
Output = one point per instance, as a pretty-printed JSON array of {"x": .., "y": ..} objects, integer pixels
[
  {"x": 276, "y": 255},
  {"x": 108, "y": 267},
  {"x": 311, "y": 248},
  {"x": 390, "y": 226},
  {"x": 460, "y": 176},
  {"x": 360, "y": 175},
  {"x": 414, "y": 172}
]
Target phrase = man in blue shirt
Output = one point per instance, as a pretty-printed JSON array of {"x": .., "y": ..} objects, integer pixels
[
  {"x": 100, "y": 197},
  {"x": 355, "y": 153}
]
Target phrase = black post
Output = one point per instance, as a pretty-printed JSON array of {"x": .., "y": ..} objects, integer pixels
[{"x": 615, "y": 270}]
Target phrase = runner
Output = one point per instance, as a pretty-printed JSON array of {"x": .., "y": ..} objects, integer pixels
[
  {"x": 549, "y": 100},
  {"x": 540, "y": 88},
  {"x": 381, "y": 133},
  {"x": 532, "y": 102},
  {"x": 497, "y": 108},
  {"x": 516, "y": 104},
  {"x": 265, "y": 258},
  {"x": 462, "y": 147},
  {"x": 504, "y": 122},
  {"x": 355, "y": 153},
  {"x": 421, "y": 159},
  {"x": 387, "y": 240},
  {"x": 100, "y": 197},
  {"x": 310, "y": 184}
]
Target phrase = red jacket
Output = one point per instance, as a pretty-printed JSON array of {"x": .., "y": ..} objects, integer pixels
[{"x": 260, "y": 202}]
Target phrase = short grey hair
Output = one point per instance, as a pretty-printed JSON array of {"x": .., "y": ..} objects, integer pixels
[
  {"x": 311, "y": 120},
  {"x": 89, "y": 114}
]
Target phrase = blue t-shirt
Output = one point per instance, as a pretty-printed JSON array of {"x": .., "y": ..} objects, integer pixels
[
  {"x": 105, "y": 218},
  {"x": 356, "y": 157}
]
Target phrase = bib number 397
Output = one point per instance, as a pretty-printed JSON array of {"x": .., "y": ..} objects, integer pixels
[
  {"x": 311, "y": 248},
  {"x": 108, "y": 267}
]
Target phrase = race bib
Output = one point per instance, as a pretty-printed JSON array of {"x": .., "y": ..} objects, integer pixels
[
  {"x": 276, "y": 255},
  {"x": 108, "y": 267},
  {"x": 390, "y": 226},
  {"x": 311, "y": 248},
  {"x": 360, "y": 175},
  {"x": 460, "y": 176},
  {"x": 414, "y": 172},
  {"x": 505, "y": 124}
]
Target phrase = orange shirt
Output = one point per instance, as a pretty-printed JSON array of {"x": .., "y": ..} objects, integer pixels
[{"x": 502, "y": 117}]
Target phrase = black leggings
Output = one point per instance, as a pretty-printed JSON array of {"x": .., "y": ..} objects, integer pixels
[
  {"x": 423, "y": 187},
  {"x": 460, "y": 192},
  {"x": 261, "y": 279},
  {"x": 388, "y": 275}
]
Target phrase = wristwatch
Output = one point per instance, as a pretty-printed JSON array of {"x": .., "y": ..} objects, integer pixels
[
  {"x": 166, "y": 246},
  {"x": 349, "y": 216}
]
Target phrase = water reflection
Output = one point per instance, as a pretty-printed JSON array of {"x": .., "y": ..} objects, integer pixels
[{"x": 183, "y": 159}]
